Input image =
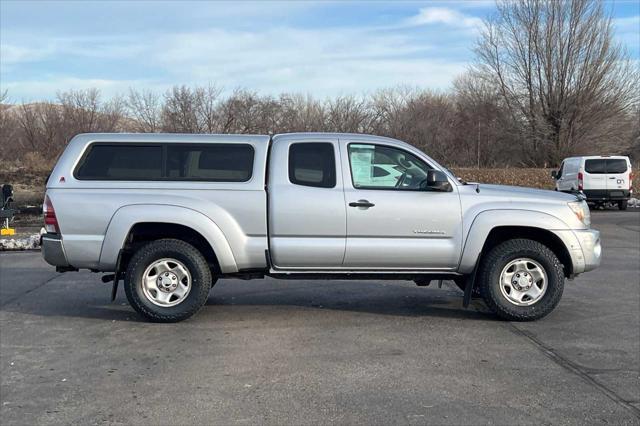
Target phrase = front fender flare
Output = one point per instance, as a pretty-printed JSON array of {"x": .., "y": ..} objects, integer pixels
[
  {"x": 487, "y": 220},
  {"x": 127, "y": 216}
]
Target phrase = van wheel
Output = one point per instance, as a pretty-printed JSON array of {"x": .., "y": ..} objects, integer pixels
[
  {"x": 622, "y": 204},
  {"x": 167, "y": 281},
  {"x": 521, "y": 280}
]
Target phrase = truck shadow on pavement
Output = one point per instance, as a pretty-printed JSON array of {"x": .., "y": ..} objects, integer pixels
[{"x": 260, "y": 299}]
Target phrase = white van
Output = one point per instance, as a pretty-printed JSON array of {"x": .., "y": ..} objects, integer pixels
[{"x": 602, "y": 178}]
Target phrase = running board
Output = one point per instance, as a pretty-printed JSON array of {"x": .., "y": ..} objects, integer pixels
[{"x": 409, "y": 275}]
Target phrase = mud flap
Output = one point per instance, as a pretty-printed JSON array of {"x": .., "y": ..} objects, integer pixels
[
  {"x": 468, "y": 288},
  {"x": 116, "y": 278}
]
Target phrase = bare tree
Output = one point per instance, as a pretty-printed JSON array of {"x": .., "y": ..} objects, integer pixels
[
  {"x": 300, "y": 113},
  {"x": 486, "y": 133},
  {"x": 558, "y": 69},
  {"x": 388, "y": 111},
  {"x": 8, "y": 129},
  {"x": 348, "y": 114},
  {"x": 145, "y": 109},
  {"x": 41, "y": 126},
  {"x": 179, "y": 113},
  {"x": 207, "y": 108}
]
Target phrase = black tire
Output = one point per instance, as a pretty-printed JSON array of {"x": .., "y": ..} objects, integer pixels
[
  {"x": 498, "y": 258},
  {"x": 622, "y": 204},
  {"x": 190, "y": 257}
]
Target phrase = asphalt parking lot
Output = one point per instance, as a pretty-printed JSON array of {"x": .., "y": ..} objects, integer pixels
[{"x": 312, "y": 352}]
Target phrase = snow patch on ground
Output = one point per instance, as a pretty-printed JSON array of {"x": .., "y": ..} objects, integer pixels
[
  {"x": 634, "y": 202},
  {"x": 27, "y": 243}
]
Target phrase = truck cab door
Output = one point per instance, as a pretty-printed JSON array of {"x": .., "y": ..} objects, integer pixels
[
  {"x": 393, "y": 223},
  {"x": 307, "y": 213}
]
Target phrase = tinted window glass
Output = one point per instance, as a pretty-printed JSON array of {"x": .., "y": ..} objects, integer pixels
[
  {"x": 594, "y": 167},
  {"x": 383, "y": 167},
  {"x": 312, "y": 164},
  {"x": 122, "y": 162},
  {"x": 616, "y": 165},
  {"x": 218, "y": 163}
]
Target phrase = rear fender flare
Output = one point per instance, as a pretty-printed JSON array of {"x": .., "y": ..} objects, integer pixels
[{"x": 127, "y": 216}]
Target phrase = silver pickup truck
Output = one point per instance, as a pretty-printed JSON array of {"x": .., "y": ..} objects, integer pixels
[{"x": 170, "y": 214}]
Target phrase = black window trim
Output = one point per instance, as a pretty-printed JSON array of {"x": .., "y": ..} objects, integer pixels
[
  {"x": 383, "y": 188},
  {"x": 164, "y": 167},
  {"x": 309, "y": 185}
]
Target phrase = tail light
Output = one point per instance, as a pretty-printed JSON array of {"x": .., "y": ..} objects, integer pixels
[
  {"x": 580, "y": 181},
  {"x": 50, "y": 219}
]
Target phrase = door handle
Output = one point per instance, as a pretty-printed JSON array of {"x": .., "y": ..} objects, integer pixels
[
  {"x": 612, "y": 177},
  {"x": 361, "y": 203}
]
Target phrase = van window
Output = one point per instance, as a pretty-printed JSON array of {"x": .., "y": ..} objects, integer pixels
[
  {"x": 617, "y": 165},
  {"x": 312, "y": 164},
  {"x": 210, "y": 162},
  {"x": 609, "y": 165},
  {"x": 121, "y": 162},
  {"x": 595, "y": 167}
]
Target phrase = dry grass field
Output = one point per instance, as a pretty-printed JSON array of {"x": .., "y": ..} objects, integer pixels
[{"x": 534, "y": 178}]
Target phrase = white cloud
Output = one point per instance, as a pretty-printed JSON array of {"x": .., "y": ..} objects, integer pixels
[
  {"x": 627, "y": 31},
  {"x": 319, "y": 61},
  {"x": 323, "y": 61},
  {"x": 444, "y": 16},
  {"x": 12, "y": 54},
  {"x": 49, "y": 86}
]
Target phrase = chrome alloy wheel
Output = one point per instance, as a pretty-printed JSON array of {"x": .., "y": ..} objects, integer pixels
[
  {"x": 523, "y": 282},
  {"x": 166, "y": 282}
]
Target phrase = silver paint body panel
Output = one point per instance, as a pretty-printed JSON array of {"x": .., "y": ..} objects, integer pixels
[{"x": 305, "y": 229}]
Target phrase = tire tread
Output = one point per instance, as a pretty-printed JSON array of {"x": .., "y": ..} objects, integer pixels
[
  {"x": 493, "y": 263},
  {"x": 168, "y": 245}
]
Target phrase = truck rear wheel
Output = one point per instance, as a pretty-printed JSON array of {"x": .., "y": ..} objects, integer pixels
[
  {"x": 622, "y": 204},
  {"x": 521, "y": 280},
  {"x": 167, "y": 281}
]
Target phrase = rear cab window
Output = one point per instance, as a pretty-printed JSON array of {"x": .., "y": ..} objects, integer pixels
[
  {"x": 312, "y": 164},
  {"x": 170, "y": 162}
]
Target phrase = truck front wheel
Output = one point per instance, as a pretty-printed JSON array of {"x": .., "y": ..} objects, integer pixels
[
  {"x": 521, "y": 280},
  {"x": 167, "y": 280},
  {"x": 622, "y": 204}
]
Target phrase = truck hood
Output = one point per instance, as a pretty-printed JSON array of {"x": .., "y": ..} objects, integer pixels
[{"x": 520, "y": 192}]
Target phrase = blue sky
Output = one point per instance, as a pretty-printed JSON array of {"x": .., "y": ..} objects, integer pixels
[{"x": 320, "y": 48}]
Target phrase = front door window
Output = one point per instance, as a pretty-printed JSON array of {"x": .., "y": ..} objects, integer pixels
[{"x": 383, "y": 167}]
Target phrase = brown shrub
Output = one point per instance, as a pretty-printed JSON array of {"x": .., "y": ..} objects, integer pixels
[{"x": 36, "y": 163}]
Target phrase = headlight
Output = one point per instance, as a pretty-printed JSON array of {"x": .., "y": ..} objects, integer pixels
[{"x": 581, "y": 210}]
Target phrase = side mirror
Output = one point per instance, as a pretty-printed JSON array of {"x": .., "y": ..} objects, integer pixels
[
  {"x": 554, "y": 174},
  {"x": 437, "y": 181}
]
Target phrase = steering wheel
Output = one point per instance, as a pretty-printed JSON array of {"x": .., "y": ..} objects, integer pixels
[{"x": 401, "y": 179}]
